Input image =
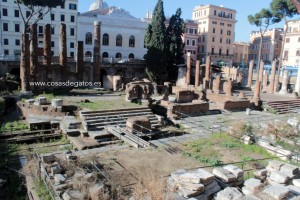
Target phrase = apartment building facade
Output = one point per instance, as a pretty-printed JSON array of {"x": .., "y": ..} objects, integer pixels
[
  {"x": 190, "y": 39},
  {"x": 291, "y": 52},
  {"x": 216, "y": 30},
  {"x": 271, "y": 45},
  {"x": 240, "y": 54},
  {"x": 12, "y": 27}
]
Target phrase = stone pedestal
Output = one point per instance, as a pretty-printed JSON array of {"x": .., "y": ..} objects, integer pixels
[
  {"x": 80, "y": 61},
  {"x": 207, "y": 73},
  {"x": 97, "y": 60},
  {"x": 284, "y": 84},
  {"x": 256, "y": 97},
  {"x": 272, "y": 78},
  {"x": 228, "y": 88},
  {"x": 250, "y": 73},
  {"x": 297, "y": 86},
  {"x": 63, "y": 52},
  {"x": 197, "y": 74},
  {"x": 47, "y": 50},
  {"x": 216, "y": 84},
  {"x": 188, "y": 69},
  {"x": 261, "y": 71}
]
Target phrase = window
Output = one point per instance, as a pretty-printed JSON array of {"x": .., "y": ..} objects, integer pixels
[
  {"x": 17, "y": 42},
  {"x": 131, "y": 56},
  {"x": 286, "y": 55},
  {"x": 6, "y": 52},
  {"x": 4, "y": 0},
  {"x": 17, "y": 27},
  {"x": 215, "y": 12},
  {"x": 105, "y": 55},
  {"x": 202, "y": 48},
  {"x": 213, "y": 39},
  {"x": 221, "y": 40},
  {"x": 220, "y": 51},
  {"x": 17, "y": 14},
  {"x": 5, "y": 42},
  {"x": 27, "y": 14},
  {"x": 52, "y": 44},
  {"x": 62, "y": 6},
  {"x": 52, "y": 30},
  {"x": 72, "y": 18},
  {"x": 62, "y": 18},
  {"x": 118, "y": 55},
  {"x": 187, "y": 42},
  {"x": 214, "y": 30},
  {"x": 193, "y": 42},
  {"x": 89, "y": 38},
  {"x": 5, "y": 26},
  {"x": 221, "y": 31},
  {"x": 88, "y": 55},
  {"x": 203, "y": 38},
  {"x": 214, "y": 22},
  {"x": 72, "y": 45},
  {"x": 221, "y": 23},
  {"x": 298, "y": 39},
  {"x": 287, "y": 40},
  {"x": 40, "y": 29},
  {"x": 72, "y": 31},
  {"x": 72, "y": 54},
  {"x": 72, "y": 6},
  {"x": 52, "y": 17},
  {"x": 298, "y": 53},
  {"x": 212, "y": 51},
  {"x": 4, "y": 12},
  {"x": 227, "y": 52},
  {"x": 105, "y": 39},
  {"x": 132, "y": 41},
  {"x": 119, "y": 40},
  {"x": 228, "y": 32}
]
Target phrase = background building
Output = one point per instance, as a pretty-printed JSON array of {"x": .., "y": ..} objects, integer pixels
[
  {"x": 240, "y": 54},
  {"x": 216, "y": 26},
  {"x": 190, "y": 39},
  {"x": 291, "y": 52},
  {"x": 12, "y": 27},
  {"x": 122, "y": 35},
  {"x": 271, "y": 45}
]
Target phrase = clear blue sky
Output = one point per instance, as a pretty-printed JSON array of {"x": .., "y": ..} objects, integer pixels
[{"x": 138, "y": 8}]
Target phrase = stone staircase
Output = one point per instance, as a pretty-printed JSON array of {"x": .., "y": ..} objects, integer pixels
[
  {"x": 283, "y": 107},
  {"x": 98, "y": 120}
]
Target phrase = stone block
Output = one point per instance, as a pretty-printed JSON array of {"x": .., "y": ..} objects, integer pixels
[
  {"x": 140, "y": 123},
  {"x": 212, "y": 188},
  {"x": 189, "y": 178},
  {"x": 96, "y": 191},
  {"x": 191, "y": 186},
  {"x": 47, "y": 158},
  {"x": 253, "y": 184},
  {"x": 295, "y": 190},
  {"x": 199, "y": 197},
  {"x": 56, "y": 170},
  {"x": 249, "y": 197},
  {"x": 188, "y": 193},
  {"x": 278, "y": 192},
  {"x": 279, "y": 177},
  {"x": 237, "y": 172},
  {"x": 289, "y": 169},
  {"x": 296, "y": 182},
  {"x": 57, "y": 103},
  {"x": 275, "y": 164},
  {"x": 175, "y": 175},
  {"x": 224, "y": 175},
  {"x": 205, "y": 177},
  {"x": 262, "y": 172},
  {"x": 229, "y": 194},
  {"x": 247, "y": 191},
  {"x": 294, "y": 122},
  {"x": 73, "y": 195},
  {"x": 59, "y": 179}
]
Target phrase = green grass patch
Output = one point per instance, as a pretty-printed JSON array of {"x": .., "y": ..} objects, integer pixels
[
  {"x": 13, "y": 126},
  {"x": 108, "y": 105},
  {"x": 41, "y": 189},
  {"x": 287, "y": 146}
]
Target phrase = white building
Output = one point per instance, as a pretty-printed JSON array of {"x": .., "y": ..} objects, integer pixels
[
  {"x": 122, "y": 35},
  {"x": 291, "y": 52},
  {"x": 12, "y": 26}
]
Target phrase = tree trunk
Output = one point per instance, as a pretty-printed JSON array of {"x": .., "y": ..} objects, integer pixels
[{"x": 259, "y": 57}]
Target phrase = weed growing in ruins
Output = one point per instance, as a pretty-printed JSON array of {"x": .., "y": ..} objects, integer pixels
[
  {"x": 230, "y": 144},
  {"x": 41, "y": 190},
  {"x": 13, "y": 126}
]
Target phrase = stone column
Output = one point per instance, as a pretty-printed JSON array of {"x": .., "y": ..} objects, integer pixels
[
  {"x": 228, "y": 88},
  {"x": 276, "y": 84},
  {"x": 250, "y": 73},
  {"x": 97, "y": 37},
  {"x": 80, "y": 62},
  {"x": 284, "y": 83},
  {"x": 297, "y": 86},
  {"x": 33, "y": 52},
  {"x": 265, "y": 83},
  {"x": 216, "y": 84},
  {"x": 261, "y": 71},
  {"x": 207, "y": 73},
  {"x": 24, "y": 65},
  {"x": 63, "y": 52},
  {"x": 256, "y": 97},
  {"x": 47, "y": 50},
  {"x": 188, "y": 69},
  {"x": 272, "y": 77},
  {"x": 197, "y": 74}
]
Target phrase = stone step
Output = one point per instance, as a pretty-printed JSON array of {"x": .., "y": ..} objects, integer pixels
[
  {"x": 108, "y": 112},
  {"x": 97, "y": 128},
  {"x": 118, "y": 116},
  {"x": 120, "y": 121},
  {"x": 104, "y": 120}
]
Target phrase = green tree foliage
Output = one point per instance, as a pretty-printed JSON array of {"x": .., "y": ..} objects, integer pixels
[
  {"x": 262, "y": 20},
  {"x": 164, "y": 44},
  {"x": 282, "y": 9}
]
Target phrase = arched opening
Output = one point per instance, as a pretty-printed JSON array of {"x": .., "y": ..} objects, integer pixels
[
  {"x": 88, "y": 56},
  {"x": 105, "y": 55},
  {"x": 131, "y": 56},
  {"x": 132, "y": 41},
  {"x": 105, "y": 40},
  {"x": 120, "y": 72},
  {"x": 118, "y": 55},
  {"x": 119, "y": 40},
  {"x": 89, "y": 38}
]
